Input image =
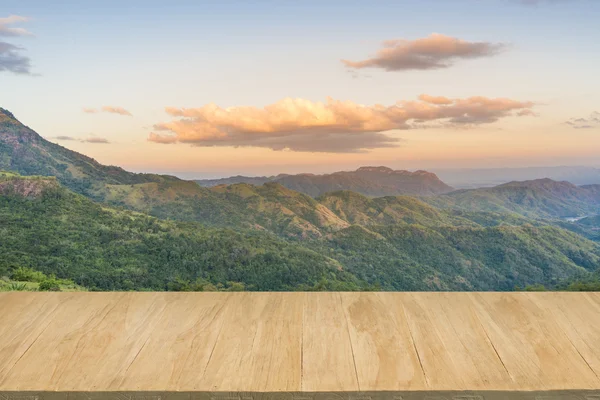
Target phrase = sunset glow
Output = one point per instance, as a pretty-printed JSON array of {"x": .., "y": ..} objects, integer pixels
[{"x": 261, "y": 89}]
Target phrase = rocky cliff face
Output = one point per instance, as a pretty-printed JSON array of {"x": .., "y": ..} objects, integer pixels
[{"x": 31, "y": 187}]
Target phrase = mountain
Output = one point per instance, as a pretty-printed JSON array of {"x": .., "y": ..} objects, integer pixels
[
  {"x": 415, "y": 257},
  {"x": 51, "y": 229},
  {"x": 357, "y": 209},
  {"x": 26, "y": 152},
  {"x": 271, "y": 207},
  {"x": 287, "y": 213},
  {"x": 588, "y": 227},
  {"x": 370, "y": 181},
  {"x": 468, "y": 178},
  {"x": 540, "y": 198},
  {"x": 232, "y": 180},
  {"x": 48, "y": 228}
]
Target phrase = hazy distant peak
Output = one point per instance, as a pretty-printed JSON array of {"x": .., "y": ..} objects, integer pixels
[
  {"x": 542, "y": 182},
  {"x": 368, "y": 180},
  {"x": 375, "y": 169},
  {"x": 422, "y": 172},
  {"x": 387, "y": 170}
]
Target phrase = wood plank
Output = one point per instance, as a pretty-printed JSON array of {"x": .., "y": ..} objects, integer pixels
[
  {"x": 51, "y": 353},
  {"x": 292, "y": 342},
  {"x": 105, "y": 352},
  {"x": 385, "y": 356},
  {"x": 259, "y": 347},
  {"x": 327, "y": 354},
  {"x": 535, "y": 351},
  {"x": 450, "y": 338},
  {"x": 438, "y": 367},
  {"x": 181, "y": 342},
  {"x": 594, "y": 296},
  {"x": 575, "y": 313},
  {"x": 24, "y": 316}
]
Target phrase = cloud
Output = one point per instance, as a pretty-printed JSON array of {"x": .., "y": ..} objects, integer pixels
[
  {"x": 116, "y": 110},
  {"x": 96, "y": 140},
  {"x": 6, "y": 30},
  {"x": 64, "y": 138},
  {"x": 435, "y": 100},
  {"x": 108, "y": 109},
  {"x": 433, "y": 52},
  {"x": 593, "y": 121},
  {"x": 333, "y": 126},
  {"x": 11, "y": 59}
]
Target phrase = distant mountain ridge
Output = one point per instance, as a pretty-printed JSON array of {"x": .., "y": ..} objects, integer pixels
[
  {"x": 369, "y": 181},
  {"x": 469, "y": 178},
  {"x": 539, "y": 198}
]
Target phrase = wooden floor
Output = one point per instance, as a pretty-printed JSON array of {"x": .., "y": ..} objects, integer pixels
[{"x": 299, "y": 342}]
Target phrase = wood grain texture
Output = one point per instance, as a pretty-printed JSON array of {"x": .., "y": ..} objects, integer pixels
[
  {"x": 534, "y": 349},
  {"x": 182, "y": 342},
  {"x": 327, "y": 353},
  {"x": 385, "y": 355},
  {"x": 294, "y": 342},
  {"x": 23, "y": 318},
  {"x": 260, "y": 346},
  {"x": 577, "y": 316},
  {"x": 449, "y": 337}
]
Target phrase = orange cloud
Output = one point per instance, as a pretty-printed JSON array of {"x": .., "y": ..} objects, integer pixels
[
  {"x": 116, "y": 110},
  {"x": 435, "y": 99},
  {"x": 331, "y": 126},
  {"x": 108, "y": 109},
  {"x": 433, "y": 52}
]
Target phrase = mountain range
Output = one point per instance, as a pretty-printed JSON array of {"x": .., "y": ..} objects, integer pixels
[
  {"x": 468, "y": 178},
  {"x": 106, "y": 228},
  {"x": 370, "y": 181},
  {"x": 540, "y": 198}
]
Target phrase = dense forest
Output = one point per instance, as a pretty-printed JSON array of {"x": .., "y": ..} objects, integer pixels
[{"x": 67, "y": 235}]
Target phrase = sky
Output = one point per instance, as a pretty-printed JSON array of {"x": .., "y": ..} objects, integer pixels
[{"x": 209, "y": 89}]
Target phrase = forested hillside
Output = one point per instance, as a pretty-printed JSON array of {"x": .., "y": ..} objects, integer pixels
[
  {"x": 59, "y": 232},
  {"x": 24, "y": 151},
  {"x": 541, "y": 198},
  {"x": 50, "y": 229}
]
